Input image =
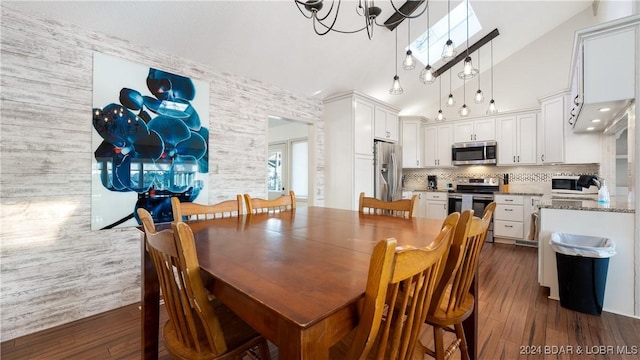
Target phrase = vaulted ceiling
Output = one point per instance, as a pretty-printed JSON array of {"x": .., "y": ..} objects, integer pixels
[{"x": 272, "y": 42}]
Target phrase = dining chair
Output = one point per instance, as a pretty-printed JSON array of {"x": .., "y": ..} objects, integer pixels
[
  {"x": 452, "y": 301},
  {"x": 198, "y": 327},
  {"x": 400, "y": 284},
  {"x": 257, "y": 205},
  {"x": 188, "y": 211},
  {"x": 399, "y": 208}
]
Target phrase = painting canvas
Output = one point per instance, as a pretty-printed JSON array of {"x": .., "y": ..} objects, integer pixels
[{"x": 149, "y": 140}]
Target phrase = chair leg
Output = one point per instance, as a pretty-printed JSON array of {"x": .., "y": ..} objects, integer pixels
[
  {"x": 438, "y": 342},
  {"x": 464, "y": 352}
]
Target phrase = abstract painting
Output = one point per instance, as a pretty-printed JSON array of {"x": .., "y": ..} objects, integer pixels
[{"x": 150, "y": 142}]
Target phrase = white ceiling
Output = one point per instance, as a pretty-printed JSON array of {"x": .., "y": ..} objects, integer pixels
[{"x": 272, "y": 42}]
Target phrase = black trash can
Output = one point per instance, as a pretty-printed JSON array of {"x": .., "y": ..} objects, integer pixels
[{"x": 582, "y": 263}]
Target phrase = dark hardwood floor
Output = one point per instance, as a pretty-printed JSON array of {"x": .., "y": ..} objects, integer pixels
[{"x": 516, "y": 321}]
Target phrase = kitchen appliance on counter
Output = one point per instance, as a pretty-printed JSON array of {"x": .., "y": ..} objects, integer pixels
[
  {"x": 474, "y": 153},
  {"x": 571, "y": 185},
  {"x": 476, "y": 194},
  {"x": 387, "y": 159},
  {"x": 432, "y": 182}
]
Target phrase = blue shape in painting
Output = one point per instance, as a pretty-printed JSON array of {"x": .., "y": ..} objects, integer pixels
[{"x": 153, "y": 146}]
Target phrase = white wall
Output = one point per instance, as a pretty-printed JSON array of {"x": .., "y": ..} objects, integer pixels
[{"x": 54, "y": 268}]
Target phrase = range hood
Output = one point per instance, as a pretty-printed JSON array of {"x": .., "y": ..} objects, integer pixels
[{"x": 602, "y": 74}]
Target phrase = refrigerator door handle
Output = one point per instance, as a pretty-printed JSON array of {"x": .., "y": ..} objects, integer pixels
[{"x": 393, "y": 177}]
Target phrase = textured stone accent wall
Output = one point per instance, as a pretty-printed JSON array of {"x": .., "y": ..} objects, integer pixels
[{"x": 54, "y": 268}]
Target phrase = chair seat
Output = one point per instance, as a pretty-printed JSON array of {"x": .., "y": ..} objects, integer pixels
[
  {"x": 238, "y": 335},
  {"x": 340, "y": 349},
  {"x": 441, "y": 318}
]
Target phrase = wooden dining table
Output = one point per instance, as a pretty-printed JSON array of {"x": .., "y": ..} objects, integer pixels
[{"x": 296, "y": 277}]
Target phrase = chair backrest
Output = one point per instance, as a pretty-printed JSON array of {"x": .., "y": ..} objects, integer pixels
[
  {"x": 400, "y": 284},
  {"x": 257, "y": 205},
  {"x": 462, "y": 261},
  {"x": 400, "y": 208},
  {"x": 174, "y": 256},
  {"x": 188, "y": 211}
]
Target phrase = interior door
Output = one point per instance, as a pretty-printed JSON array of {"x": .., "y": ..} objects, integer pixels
[{"x": 277, "y": 183}]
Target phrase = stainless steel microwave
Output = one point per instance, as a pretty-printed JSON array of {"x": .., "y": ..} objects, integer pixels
[
  {"x": 570, "y": 185},
  {"x": 474, "y": 153}
]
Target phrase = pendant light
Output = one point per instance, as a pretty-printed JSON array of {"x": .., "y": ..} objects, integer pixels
[
  {"x": 396, "y": 89},
  {"x": 468, "y": 71},
  {"x": 464, "y": 110},
  {"x": 426, "y": 75},
  {"x": 451, "y": 102},
  {"x": 440, "y": 117},
  {"x": 479, "y": 96},
  {"x": 409, "y": 62},
  {"x": 492, "y": 104},
  {"x": 449, "y": 51}
]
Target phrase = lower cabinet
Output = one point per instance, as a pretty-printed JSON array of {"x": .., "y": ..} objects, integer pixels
[
  {"x": 508, "y": 219},
  {"x": 436, "y": 205}
]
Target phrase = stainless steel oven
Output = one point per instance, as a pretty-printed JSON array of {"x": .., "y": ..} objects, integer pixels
[{"x": 474, "y": 194}]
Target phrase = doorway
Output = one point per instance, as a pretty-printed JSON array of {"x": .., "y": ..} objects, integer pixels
[{"x": 289, "y": 159}]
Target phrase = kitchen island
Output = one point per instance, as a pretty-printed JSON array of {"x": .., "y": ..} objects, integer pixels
[{"x": 613, "y": 220}]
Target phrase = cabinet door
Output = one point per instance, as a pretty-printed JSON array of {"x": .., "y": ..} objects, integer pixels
[
  {"x": 552, "y": 131},
  {"x": 386, "y": 125},
  {"x": 392, "y": 126},
  {"x": 507, "y": 130},
  {"x": 363, "y": 178},
  {"x": 484, "y": 129},
  {"x": 430, "y": 146},
  {"x": 411, "y": 144},
  {"x": 436, "y": 210},
  {"x": 526, "y": 138},
  {"x": 363, "y": 127},
  {"x": 444, "y": 142},
  {"x": 463, "y": 131}
]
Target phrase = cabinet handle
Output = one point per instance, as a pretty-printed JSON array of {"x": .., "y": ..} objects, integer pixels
[
  {"x": 518, "y": 158},
  {"x": 508, "y": 200},
  {"x": 542, "y": 157},
  {"x": 418, "y": 162},
  {"x": 444, "y": 206},
  {"x": 514, "y": 158},
  {"x": 508, "y": 209},
  {"x": 509, "y": 226}
]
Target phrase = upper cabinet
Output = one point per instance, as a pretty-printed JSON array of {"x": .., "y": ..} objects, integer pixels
[
  {"x": 412, "y": 141},
  {"x": 386, "y": 124},
  {"x": 437, "y": 145},
  {"x": 604, "y": 71},
  {"x": 516, "y": 137},
  {"x": 476, "y": 130}
]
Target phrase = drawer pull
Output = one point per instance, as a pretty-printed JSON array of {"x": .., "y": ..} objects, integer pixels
[
  {"x": 508, "y": 209},
  {"x": 508, "y": 226},
  {"x": 509, "y": 200}
]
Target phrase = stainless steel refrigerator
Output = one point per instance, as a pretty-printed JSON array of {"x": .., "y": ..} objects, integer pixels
[{"x": 387, "y": 184}]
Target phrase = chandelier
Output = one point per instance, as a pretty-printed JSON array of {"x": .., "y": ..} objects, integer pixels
[{"x": 324, "y": 20}]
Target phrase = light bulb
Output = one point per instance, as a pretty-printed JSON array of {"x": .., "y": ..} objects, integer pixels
[
  {"x": 492, "y": 108},
  {"x": 451, "y": 101},
  {"x": 440, "y": 116},
  {"x": 449, "y": 51},
  {"x": 426, "y": 75},
  {"x": 396, "y": 89},
  {"x": 479, "y": 97},
  {"x": 409, "y": 62},
  {"x": 464, "y": 111},
  {"x": 468, "y": 71}
]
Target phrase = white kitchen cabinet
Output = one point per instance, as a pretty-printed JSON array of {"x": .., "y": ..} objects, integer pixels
[
  {"x": 436, "y": 205},
  {"x": 556, "y": 142},
  {"x": 412, "y": 142},
  {"x": 437, "y": 145},
  {"x": 385, "y": 124},
  {"x": 349, "y": 125},
  {"x": 508, "y": 224},
  {"x": 475, "y": 130},
  {"x": 516, "y": 138},
  {"x": 419, "y": 208}
]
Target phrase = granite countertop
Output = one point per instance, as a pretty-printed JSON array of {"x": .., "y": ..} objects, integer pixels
[
  {"x": 518, "y": 193},
  {"x": 587, "y": 204}
]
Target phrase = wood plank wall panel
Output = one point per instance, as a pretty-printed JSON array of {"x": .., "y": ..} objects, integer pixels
[{"x": 54, "y": 268}]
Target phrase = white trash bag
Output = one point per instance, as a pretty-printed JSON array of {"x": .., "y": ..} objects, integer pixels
[{"x": 582, "y": 245}]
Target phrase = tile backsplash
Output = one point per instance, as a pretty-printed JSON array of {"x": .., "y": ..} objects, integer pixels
[{"x": 534, "y": 179}]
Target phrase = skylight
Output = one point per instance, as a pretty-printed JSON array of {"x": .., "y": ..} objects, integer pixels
[{"x": 439, "y": 34}]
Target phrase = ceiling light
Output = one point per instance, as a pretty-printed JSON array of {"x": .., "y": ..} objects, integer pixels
[
  {"x": 464, "y": 110},
  {"x": 479, "y": 97},
  {"x": 409, "y": 62},
  {"x": 604, "y": 109},
  {"x": 468, "y": 71},
  {"x": 450, "y": 100},
  {"x": 396, "y": 89},
  {"x": 492, "y": 104},
  {"x": 449, "y": 51},
  {"x": 325, "y": 21},
  {"x": 440, "y": 117},
  {"x": 426, "y": 75}
]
